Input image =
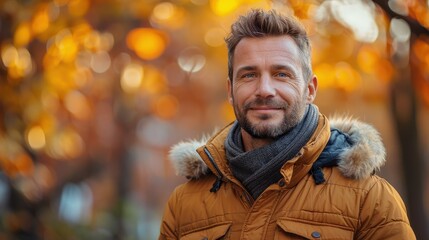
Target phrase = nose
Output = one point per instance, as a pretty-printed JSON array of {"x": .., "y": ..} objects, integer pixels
[{"x": 265, "y": 87}]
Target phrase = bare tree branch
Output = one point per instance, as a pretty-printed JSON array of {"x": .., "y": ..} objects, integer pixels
[{"x": 415, "y": 26}]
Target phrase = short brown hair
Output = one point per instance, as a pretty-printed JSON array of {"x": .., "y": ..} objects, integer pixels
[{"x": 259, "y": 23}]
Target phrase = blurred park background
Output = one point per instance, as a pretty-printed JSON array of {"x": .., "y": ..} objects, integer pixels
[{"x": 94, "y": 92}]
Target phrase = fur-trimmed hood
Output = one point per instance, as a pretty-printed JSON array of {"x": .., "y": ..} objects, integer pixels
[{"x": 358, "y": 161}]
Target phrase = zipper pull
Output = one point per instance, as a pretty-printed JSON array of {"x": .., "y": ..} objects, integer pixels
[{"x": 216, "y": 185}]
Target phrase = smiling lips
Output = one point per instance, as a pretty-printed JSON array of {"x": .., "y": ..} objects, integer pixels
[
  {"x": 264, "y": 109},
  {"x": 265, "y": 106}
]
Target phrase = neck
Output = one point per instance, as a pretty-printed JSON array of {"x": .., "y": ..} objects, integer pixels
[{"x": 250, "y": 143}]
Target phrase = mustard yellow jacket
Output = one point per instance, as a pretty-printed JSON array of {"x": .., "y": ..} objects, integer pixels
[{"x": 352, "y": 203}]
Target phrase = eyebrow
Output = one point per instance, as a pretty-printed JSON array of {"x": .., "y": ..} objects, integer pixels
[
  {"x": 245, "y": 68},
  {"x": 280, "y": 66},
  {"x": 274, "y": 67},
  {"x": 284, "y": 67}
]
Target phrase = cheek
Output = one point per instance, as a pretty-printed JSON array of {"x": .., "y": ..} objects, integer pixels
[
  {"x": 292, "y": 92},
  {"x": 291, "y": 99},
  {"x": 242, "y": 92},
  {"x": 288, "y": 95}
]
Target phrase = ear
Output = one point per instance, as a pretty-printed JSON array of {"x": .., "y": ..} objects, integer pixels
[
  {"x": 229, "y": 91},
  {"x": 312, "y": 89}
]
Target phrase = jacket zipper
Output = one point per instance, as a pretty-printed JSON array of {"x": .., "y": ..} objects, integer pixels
[{"x": 218, "y": 183}]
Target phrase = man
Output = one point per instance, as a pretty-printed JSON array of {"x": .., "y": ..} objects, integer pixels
[{"x": 282, "y": 170}]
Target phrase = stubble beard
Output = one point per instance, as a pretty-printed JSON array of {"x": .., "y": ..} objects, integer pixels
[{"x": 264, "y": 129}]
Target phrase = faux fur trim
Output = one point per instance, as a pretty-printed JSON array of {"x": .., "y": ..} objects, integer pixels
[
  {"x": 366, "y": 155},
  {"x": 185, "y": 159}
]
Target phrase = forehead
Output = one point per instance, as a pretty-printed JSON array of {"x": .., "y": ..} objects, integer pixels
[{"x": 271, "y": 49}]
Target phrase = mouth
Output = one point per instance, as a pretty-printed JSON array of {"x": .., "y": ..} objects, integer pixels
[
  {"x": 264, "y": 109},
  {"x": 265, "y": 106}
]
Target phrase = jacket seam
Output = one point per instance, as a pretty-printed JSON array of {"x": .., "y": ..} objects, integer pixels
[
  {"x": 330, "y": 213},
  {"x": 310, "y": 211},
  {"x": 361, "y": 205},
  {"x": 383, "y": 225},
  {"x": 323, "y": 223},
  {"x": 198, "y": 222},
  {"x": 350, "y": 187},
  {"x": 366, "y": 194},
  {"x": 343, "y": 185},
  {"x": 206, "y": 227}
]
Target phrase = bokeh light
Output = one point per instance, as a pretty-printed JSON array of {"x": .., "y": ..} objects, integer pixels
[
  {"x": 325, "y": 74},
  {"x": 36, "y": 137},
  {"x": 67, "y": 46},
  {"x": 91, "y": 39},
  {"x": 400, "y": 30},
  {"x": 191, "y": 60},
  {"x": 22, "y": 35},
  {"x": 66, "y": 144},
  {"x": 100, "y": 62},
  {"x": 77, "y": 104},
  {"x": 164, "y": 10},
  {"x": 131, "y": 78},
  {"x": 153, "y": 82},
  {"x": 41, "y": 21},
  {"x": 367, "y": 59},
  {"x": 346, "y": 77},
  {"x": 9, "y": 55},
  {"x": 356, "y": 15},
  {"x": 224, "y": 7},
  {"x": 18, "y": 61},
  {"x": 60, "y": 78},
  {"x": 168, "y": 15},
  {"x": 166, "y": 106},
  {"x": 147, "y": 43},
  {"x": 78, "y": 8}
]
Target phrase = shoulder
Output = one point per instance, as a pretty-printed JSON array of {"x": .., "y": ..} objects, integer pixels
[
  {"x": 377, "y": 198},
  {"x": 383, "y": 213},
  {"x": 371, "y": 194},
  {"x": 373, "y": 182}
]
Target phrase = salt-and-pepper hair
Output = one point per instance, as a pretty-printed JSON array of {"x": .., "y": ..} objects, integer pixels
[{"x": 258, "y": 23}]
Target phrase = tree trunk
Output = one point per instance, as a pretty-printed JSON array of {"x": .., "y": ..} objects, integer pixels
[{"x": 404, "y": 110}]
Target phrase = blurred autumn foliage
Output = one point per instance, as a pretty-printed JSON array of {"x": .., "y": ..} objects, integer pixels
[{"x": 94, "y": 92}]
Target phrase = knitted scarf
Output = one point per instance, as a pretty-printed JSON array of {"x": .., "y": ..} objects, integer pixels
[{"x": 259, "y": 168}]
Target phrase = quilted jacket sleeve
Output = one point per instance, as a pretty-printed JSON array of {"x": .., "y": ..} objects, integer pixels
[
  {"x": 383, "y": 214},
  {"x": 168, "y": 224}
]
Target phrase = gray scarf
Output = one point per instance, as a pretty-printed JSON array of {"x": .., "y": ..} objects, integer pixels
[{"x": 259, "y": 168}]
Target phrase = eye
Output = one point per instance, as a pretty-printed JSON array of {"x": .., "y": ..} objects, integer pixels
[
  {"x": 282, "y": 75},
  {"x": 248, "y": 75}
]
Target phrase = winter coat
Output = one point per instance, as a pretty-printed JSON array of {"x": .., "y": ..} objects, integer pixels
[{"x": 352, "y": 202}]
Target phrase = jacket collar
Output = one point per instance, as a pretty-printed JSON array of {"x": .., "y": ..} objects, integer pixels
[{"x": 366, "y": 155}]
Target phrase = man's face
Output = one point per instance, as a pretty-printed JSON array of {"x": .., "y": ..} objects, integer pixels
[{"x": 268, "y": 92}]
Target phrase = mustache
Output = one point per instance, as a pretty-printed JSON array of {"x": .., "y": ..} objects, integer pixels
[{"x": 266, "y": 102}]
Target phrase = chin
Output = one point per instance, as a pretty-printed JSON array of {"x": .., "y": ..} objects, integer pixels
[
  {"x": 267, "y": 123},
  {"x": 265, "y": 129}
]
